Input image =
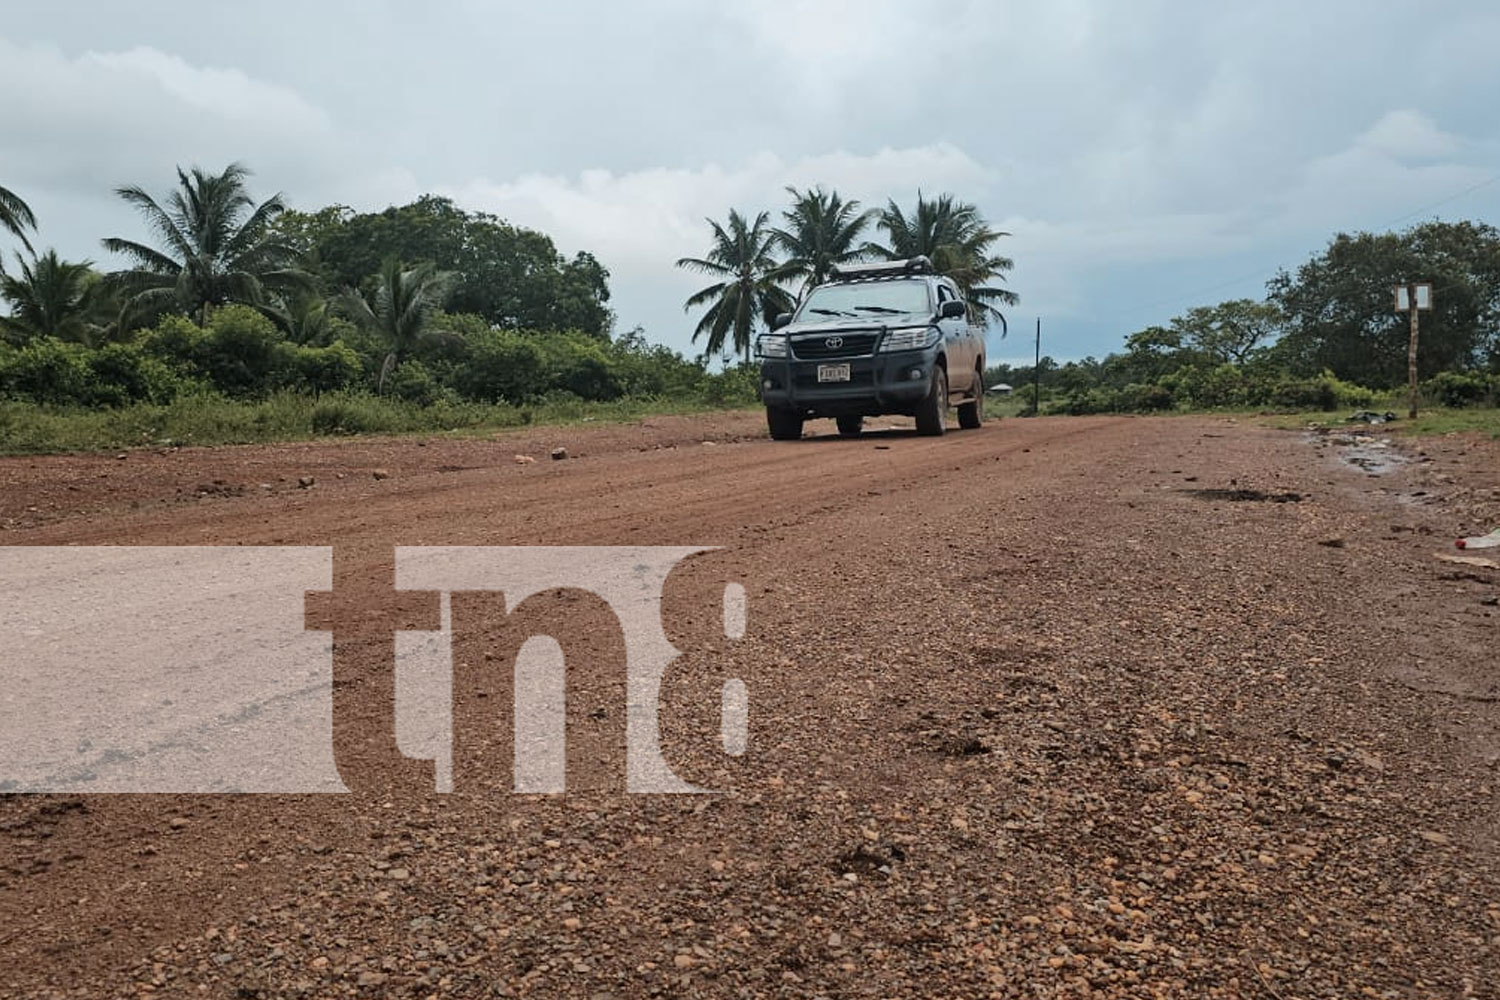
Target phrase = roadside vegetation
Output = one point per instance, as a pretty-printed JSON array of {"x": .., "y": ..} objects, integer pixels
[
  {"x": 1325, "y": 338},
  {"x": 294, "y": 416},
  {"x": 238, "y": 319},
  {"x": 1433, "y": 421}
]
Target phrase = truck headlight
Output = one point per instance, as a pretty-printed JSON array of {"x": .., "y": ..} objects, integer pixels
[
  {"x": 911, "y": 338},
  {"x": 772, "y": 345}
]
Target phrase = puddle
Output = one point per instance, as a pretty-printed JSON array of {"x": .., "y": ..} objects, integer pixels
[
  {"x": 1373, "y": 455},
  {"x": 1244, "y": 496},
  {"x": 1375, "y": 459}
]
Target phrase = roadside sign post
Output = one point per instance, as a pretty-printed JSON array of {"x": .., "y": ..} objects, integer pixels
[{"x": 1412, "y": 298}]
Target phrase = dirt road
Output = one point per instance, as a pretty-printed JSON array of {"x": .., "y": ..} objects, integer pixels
[{"x": 1063, "y": 707}]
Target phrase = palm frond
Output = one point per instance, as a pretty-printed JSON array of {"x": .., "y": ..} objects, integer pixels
[
  {"x": 212, "y": 241},
  {"x": 16, "y": 216}
]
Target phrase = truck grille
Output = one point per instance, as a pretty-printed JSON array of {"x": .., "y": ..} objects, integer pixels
[{"x": 835, "y": 345}]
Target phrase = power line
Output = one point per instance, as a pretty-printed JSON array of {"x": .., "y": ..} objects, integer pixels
[{"x": 1443, "y": 201}]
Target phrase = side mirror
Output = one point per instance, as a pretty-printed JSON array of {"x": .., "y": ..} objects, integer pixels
[
  {"x": 952, "y": 309},
  {"x": 781, "y": 320}
]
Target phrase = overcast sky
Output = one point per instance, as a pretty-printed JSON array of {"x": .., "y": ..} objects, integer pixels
[{"x": 1146, "y": 156}]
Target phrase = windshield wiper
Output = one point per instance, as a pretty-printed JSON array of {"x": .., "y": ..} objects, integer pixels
[
  {"x": 886, "y": 310},
  {"x": 830, "y": 312}
]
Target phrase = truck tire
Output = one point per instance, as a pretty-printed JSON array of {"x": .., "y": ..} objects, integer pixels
[
  {"x": 785, "y": 425},
  {"x": 971, "y": 414},
  {"x": 850, "y": 426},
  {"x": 932, "y": 412}
]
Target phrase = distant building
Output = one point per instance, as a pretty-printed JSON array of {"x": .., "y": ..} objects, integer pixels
[{"x": 1001, "y": 389}]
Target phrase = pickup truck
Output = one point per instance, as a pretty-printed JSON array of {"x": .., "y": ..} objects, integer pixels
[{"x": 887, "y": 338}]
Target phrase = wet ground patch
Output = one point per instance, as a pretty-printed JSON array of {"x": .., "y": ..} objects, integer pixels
[{"x": 1242, "y": 495}]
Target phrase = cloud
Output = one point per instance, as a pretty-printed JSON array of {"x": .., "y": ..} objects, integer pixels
[
  {"x": 1392, "y": 168},
  {"x": 641, "y": 221},
  {"x": 1140, "y": 153},
  {"x": 94, "y": 121},
  {"x": 97, "y": 120},
  {"x": 1409, "y": 135},
  {"x": 224, "y": 93}
]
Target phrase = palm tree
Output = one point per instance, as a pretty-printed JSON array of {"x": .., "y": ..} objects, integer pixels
[
  {"x": 401, "y": 308},
  {"x": 742, "y": 258},
  {"x": 216, "y": 247},
  {"x": 304, "y": 317},
  {"x": 52, "y": 297},
  {"x": 822, "y": 231},
  {"x": 15, "y": 215},
  {"x": 957, "y": 239}
]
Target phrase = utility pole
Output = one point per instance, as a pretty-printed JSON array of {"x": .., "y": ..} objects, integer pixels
[
  {"x": 1036, "y": 373},
  {"x": 1412, "y": 298}
]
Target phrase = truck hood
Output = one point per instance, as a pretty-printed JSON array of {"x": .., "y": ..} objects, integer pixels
[{"x": 872, "y": 322}]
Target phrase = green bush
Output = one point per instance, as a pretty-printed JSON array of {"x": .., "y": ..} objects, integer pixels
[
  {"x": 1134, "y": 398},
  {"x": 502, "y": 365},
  {"x": 323, "y": 369},
  {"x": 654, "y": 370},
  {"x": 1303, "y": 394},
  {"x": 412, "y": 382},
  {"x": 245, "y": 354},
  {"x": 46, "y": 371},
  {"x": 737, "y": 386},
  {"x": 1457, "y": 390},
  {"x": 177, "y": 342},
  {"x": 123, "y": 373},
  {"x": 357, "y": 414},
  {"x": 1201, "y": 387},
  {"x": 1147, "y": 398},
  {"x": 578, "y": 364},
  {"x": 1326, "y": 392},
  {"x": 1080, "y": 404}
]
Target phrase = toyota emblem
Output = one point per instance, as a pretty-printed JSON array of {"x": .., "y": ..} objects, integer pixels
[{"x": 834, "y": 343}]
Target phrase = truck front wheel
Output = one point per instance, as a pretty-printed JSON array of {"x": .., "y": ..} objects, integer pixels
[
  {"x": 932, "y": 412},
  {"x": 785, "y": 425}
]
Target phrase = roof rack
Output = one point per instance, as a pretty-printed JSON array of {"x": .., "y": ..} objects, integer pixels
[{"x": 882, "y": 269}]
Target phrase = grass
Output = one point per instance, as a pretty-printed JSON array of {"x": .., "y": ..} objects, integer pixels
[
  {"x": 1451, "y": 421},
  {"x": 1431, "y": 421},
  {"x": 28, "y": 429}
]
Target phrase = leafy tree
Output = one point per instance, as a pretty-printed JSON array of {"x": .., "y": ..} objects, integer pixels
[
  {"x": 510, "y": 276},
  {"x": 306, "y": 232},
  {"x": 822, "y": 230},
  {"x": 955, "y": 237},
  {"x": 579, "y": 297},
  {"x": 216, "y": 247},
  {"x": 1149, "y": 354},
  {"x": 742, "y": 258},
  {"x": 16, "y": 216},
  {"x": 1230, "y": 331},
  {"x": 1078, "y": 376},
  {"x": 400, "y": 310},
  {"x": 52, "y": 297},
  {"x": 1339, "y": 313}
]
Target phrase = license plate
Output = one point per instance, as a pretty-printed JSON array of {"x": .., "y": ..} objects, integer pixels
[{"x": 833, "y": 373}]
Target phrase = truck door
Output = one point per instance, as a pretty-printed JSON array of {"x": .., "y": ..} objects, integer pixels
[{"x": 959, "y": 344}]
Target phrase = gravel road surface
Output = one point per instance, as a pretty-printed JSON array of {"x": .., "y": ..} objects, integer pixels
[{"x": 1091, "y": 707}]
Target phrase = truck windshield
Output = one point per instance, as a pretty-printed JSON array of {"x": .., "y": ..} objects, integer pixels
[{"x": 867, "y": 299}]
